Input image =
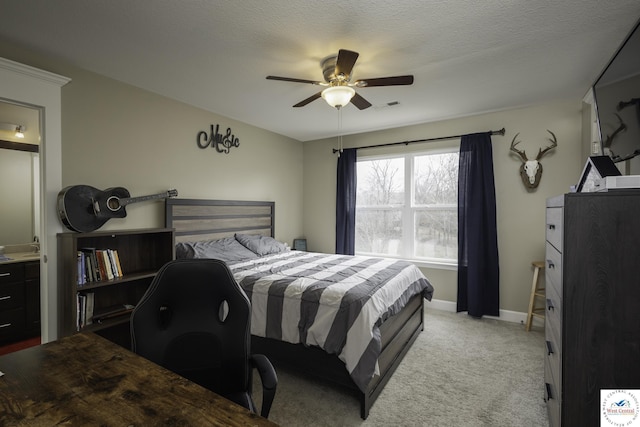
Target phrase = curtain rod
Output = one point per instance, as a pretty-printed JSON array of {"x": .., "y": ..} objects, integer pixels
[{"x": 441, "y": 138}]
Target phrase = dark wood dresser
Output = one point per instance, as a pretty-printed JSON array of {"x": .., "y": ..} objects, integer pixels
[{"x": 592, "y": 325}]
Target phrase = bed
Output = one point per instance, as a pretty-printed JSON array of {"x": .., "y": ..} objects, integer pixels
[{"x": 346, "y": 319}]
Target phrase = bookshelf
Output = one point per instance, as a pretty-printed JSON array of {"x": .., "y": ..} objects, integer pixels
[{"x": 141, "y": 254}]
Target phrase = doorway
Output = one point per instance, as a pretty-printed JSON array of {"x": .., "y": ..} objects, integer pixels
[{"x": 41, "y": 90}]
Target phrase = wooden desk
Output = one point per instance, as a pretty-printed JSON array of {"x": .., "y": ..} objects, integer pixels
[{"x": 84, "y": 379}]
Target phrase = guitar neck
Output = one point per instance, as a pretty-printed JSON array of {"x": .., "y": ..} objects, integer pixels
[{"x": 130, "y": 200}]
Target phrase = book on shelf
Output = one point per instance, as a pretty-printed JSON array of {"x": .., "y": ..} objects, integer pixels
[
  {"x": 90, "y": 253},
  {"x": 107, "y": 263},
  {"x": 117, "y": 262},
  {"x": 85, "y": 307},
  {"x": 101, "y": 266},
  {"x": 81, "y": 269},
  {"x": 114, "y": 264},
  {"x": 79, "y": 309},
  {"x": 88, "y": 315},
  {"x": 96, "y": 265},
  {"x": 88, "y": 269}
]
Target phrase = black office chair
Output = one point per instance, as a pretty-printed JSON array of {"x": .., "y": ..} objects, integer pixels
[{"x": 195, "y": 320}]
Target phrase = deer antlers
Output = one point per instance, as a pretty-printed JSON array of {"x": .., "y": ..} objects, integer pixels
[
  {"x": 554, "y": 144},
  {"x": 520, "y": 153},
  {"x": 541, "y": 152}
]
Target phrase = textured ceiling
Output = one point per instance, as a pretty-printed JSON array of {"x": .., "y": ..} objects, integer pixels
[{"x": 467, "y": 57}]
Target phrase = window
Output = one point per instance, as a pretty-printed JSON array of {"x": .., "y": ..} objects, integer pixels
[{"x": 406, "y": 207}]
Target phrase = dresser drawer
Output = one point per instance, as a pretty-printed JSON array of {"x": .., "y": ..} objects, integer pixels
[
  {"x": 554, "y": 227},
  {"x": 553, "y": 313},
  {"x": 553, "y": 358},
  {"x": 11, "y": 323},
  {"x": 10, "y": 273},
  {"x": 553, "y": 271},
  {"x": 552, "y": 397},
  {"x": 11, "y": 295}
]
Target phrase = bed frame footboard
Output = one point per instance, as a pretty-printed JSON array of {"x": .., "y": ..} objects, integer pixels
[{"x": 398, "y": 333}]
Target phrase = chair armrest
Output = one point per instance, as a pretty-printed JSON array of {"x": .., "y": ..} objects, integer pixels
[
  {"x": 269, "y": 381},
  {"x": 265, "y": 370}
]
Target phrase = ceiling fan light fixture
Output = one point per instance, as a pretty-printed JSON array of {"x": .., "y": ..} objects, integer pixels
[{"x": 338, "y": 96}]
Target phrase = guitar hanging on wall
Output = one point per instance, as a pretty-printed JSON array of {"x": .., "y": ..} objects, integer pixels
[{"x": 84, "y": 208}]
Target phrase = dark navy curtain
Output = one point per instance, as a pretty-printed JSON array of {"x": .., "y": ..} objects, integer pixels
[
  {"x": 478, "y": 270},
  {"x": 346, "y": 203}
]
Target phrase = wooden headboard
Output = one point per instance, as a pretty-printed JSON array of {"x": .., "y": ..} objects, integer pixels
[{"x": 198, "y": 220}]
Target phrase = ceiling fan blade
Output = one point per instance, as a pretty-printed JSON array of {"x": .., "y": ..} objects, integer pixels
[
  {"x": 345, "y": 62},
  {"x": 289, "y": 79},
  {"x": 360, "y": 102},
  {"x": 308, "y": 100},
  {"x": 385, "y": 81}
]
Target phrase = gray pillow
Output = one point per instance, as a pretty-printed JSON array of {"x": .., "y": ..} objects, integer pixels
[
  {"x": 261, "y": 245},
  {"x": 227, "y": 249}
]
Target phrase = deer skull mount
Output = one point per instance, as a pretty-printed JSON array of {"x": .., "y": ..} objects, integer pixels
[{"x": 531, "y": 170}]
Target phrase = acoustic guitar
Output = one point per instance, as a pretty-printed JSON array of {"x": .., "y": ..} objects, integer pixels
[{"x": 84, "y": 208}]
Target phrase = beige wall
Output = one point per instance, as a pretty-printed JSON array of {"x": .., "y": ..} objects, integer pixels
[
  {"x": 115, "y": 134},
  {"x": 521, "y": 214},
  {"x": 119, "y": 135},
  {"x": 16, "y": 192}
]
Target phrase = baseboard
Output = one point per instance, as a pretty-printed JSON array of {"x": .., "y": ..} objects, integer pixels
[
  {"x": 10, "y": 348},
  {"x": 506, "y": 315}
]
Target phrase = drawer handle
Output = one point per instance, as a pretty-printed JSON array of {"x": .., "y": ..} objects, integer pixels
[
  {"x": 5, "y": 298},
  {"x": 5, "y": 274},
  {"x": 549, "y": 395},
  {"x": 552, "y": 227},
  {"x": 549, "y": 348},
  {"x": 6, "y": 325},
  {"x": 550, "y": 305},
  {"x": 551, "y": 265}
]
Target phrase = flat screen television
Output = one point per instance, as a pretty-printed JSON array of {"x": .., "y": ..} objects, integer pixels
[{"x": 617, "y": 101}]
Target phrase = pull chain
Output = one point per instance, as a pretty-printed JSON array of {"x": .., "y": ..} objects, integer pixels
[{"x": 340, "y": 130}]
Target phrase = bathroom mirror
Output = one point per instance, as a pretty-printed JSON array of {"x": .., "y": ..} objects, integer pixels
[{"x": 19, "y": 175}]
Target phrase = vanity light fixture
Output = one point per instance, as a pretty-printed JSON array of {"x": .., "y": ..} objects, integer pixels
[{"x": 18, "y": 129}]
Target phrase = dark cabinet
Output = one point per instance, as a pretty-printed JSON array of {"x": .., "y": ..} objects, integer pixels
[
  {"x": 32, "y": 297},
  {"x": 19, "y": 301},
  {"x": 592, "y": 325}
]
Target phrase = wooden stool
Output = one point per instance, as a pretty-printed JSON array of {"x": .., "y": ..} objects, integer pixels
[{"x": 535, "y": 292}]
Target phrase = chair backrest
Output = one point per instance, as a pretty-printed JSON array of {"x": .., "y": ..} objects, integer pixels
[{"x": 195, "y": 320}]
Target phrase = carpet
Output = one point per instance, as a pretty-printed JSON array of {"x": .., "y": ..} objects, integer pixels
[{"x": 461, "y": 371}]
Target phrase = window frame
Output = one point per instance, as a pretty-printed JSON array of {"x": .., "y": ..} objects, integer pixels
[{"x": 409, "y": 208}]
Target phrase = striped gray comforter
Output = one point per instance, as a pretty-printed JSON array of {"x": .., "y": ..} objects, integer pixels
[{"x": 336, "y": 302}]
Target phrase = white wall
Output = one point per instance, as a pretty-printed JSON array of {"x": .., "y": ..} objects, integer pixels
[{"x": 521, "y": 214}]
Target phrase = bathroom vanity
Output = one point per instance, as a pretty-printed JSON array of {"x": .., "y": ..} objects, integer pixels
[{"x": 19, "y": 293}]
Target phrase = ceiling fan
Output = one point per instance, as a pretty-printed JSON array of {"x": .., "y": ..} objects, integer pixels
[{"x": 337, "y": 78}]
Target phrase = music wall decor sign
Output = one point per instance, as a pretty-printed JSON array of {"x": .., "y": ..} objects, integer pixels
[{"x": 222, "y": 143}]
